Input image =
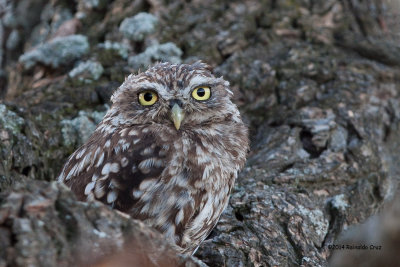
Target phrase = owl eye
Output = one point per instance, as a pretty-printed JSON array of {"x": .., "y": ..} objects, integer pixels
[
  {"x": 147, "y": 98},
  {"x": 201, "y": 93}
]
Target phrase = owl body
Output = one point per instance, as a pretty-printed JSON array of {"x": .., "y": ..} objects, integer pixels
[{"x": 171, "y": 164}]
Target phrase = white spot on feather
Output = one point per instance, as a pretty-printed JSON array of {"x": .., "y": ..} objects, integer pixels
[
  {"x": 137, "y": 193},
  {"x": 110, "y": 167},
  {"x": 100, "y": 161},
  {"x": 123, "y": 132},
  {"x": 89, "y": 187},
  {"x": 85, "y": 161},
  {"x": 125, "y": 146},
  {"x": 115, "y": 183},
  {"x": 96, "y": 153},
  {"x": 103, "y": 178},
  {"x": 80, "y": 153},
  {"x": 124, "y": 162},
  {"x": 106, "y": 169},
  {"x": 111, "y": 196},
  {"x": 107, "y": 144},
  {"x": 133, "y": 132},
  {"x": 94, "y": 177},
  {"x": 136, "y": 141},
  {"x": 71, "y": 173},
  {"x": 146, "y": 199},
  {"x": 147, "y": 151},
  {"x": 99, "y": 189},
  {"x": 179, "y": 217},
  {"x": 90, "y": 197},
  {"x": 146, "y": 184},
  {"x": 145, "y": 165},
  {"x": 207, "y": 171},
  {"x": 179, "y": 180}
]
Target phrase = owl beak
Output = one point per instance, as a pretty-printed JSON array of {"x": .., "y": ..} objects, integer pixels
[{"x": 177, "y": 115}]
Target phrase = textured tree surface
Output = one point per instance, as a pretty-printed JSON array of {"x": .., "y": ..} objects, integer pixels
[
  {"x": 316, "y": 81},
  {"x": 43, "y": 225}
]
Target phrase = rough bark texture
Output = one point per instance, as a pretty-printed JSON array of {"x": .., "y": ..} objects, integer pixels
[
  {"x": 42, "y": 224},
  {"x": 316, "y": 81}
]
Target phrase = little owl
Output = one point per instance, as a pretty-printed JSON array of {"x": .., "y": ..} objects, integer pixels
[{"x": 167, "y": 152}]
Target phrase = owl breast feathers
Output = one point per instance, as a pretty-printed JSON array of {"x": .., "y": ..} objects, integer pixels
[{"x": 167, "y": 152}]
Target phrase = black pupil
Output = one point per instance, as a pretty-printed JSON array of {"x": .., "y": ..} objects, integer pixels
[
  {"x": 148, "y": 96},
  {"x": 201, "y": 92}
]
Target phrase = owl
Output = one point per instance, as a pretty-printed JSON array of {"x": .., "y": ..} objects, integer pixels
[{"x": 167, "y": 152}]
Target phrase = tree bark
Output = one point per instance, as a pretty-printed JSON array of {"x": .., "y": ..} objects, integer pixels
[{"x": 316, "y": 81}]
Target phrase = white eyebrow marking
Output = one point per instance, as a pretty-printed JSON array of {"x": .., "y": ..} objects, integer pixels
[{"x": 149, "y": 85}]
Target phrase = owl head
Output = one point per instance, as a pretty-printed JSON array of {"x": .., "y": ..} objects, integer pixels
[{"x": 179, "y": 96}]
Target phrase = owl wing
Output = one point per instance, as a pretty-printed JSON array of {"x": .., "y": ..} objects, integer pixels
[{"x": 110, "y": 168}]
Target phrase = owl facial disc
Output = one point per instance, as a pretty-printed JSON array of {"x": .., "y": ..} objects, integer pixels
[{"x": 177, "y": 115}]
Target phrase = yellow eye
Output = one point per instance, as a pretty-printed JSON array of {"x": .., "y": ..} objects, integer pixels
[
  {"x": 201, "y": 93},
  {"x": 147, "y": 98}
]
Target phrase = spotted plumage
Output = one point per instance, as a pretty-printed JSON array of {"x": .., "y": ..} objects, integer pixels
[{"x": 167, "y": 152}]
